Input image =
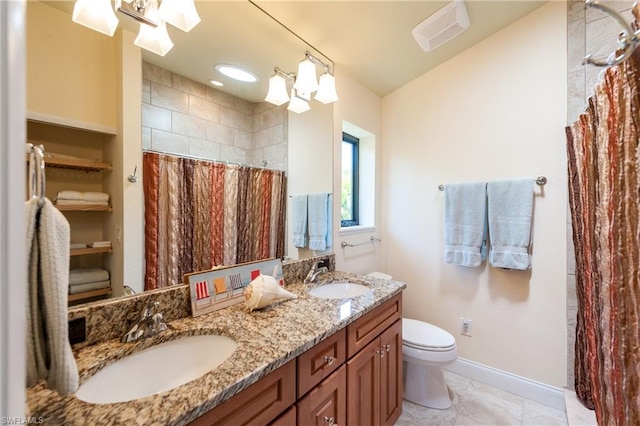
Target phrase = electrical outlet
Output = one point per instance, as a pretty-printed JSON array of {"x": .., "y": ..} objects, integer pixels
[{"x": 465, "y": 326}]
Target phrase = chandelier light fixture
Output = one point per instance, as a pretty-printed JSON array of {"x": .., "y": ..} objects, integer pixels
[
  {"x": 153, "y": 16},
  {"x": 304, "y": 84}
]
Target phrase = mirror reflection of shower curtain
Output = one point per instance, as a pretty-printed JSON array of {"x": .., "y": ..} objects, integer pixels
[
  {"x": 200, "y": 214},
  {"x": 604, "y": 198}
]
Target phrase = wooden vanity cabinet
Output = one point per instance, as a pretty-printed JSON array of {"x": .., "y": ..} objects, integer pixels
[
  {"x": 259, "y": 404},
  {"x": 374, "y": 373},
  {"x": 326, "y": 404}
]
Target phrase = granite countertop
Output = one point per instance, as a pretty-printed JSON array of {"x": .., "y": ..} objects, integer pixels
[{"x": 267, "y": 339}]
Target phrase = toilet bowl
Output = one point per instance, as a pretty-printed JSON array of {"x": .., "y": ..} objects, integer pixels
[{"x": 425, "y": 350}]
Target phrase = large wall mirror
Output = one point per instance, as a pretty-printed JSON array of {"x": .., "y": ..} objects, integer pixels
[{"x": 182, "y": 113}]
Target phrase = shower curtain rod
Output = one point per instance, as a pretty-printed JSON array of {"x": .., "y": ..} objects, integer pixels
[
  {"x": 213, "y": 160},
  {"x": 540, "y": 180}
]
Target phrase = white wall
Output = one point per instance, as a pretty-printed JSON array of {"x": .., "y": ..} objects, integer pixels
[
  {"x": 360, "y": 108},
  {"x": 495, "y": 111}
]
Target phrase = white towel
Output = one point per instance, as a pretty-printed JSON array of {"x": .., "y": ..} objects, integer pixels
[
  {"x": 82, "y": 288},
  {"x": 83, "y": 196},
  {"x": 96, "y": 244},
  {"x": 49, "y": 354},
  {"x": 81, "y": 203},
  {"x": 299, "y": 220},
  {"x": 465, "y": 223},
  {"x": 510, "y": 217},
  {"x": 318, "y": 221},
  {"x": 90, "y": 275}
]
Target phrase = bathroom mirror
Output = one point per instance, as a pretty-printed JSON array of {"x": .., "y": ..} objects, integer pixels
[{"x": 239, "y": 33}]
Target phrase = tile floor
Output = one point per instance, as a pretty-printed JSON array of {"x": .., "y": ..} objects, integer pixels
[{"x": 474, "y": 403}]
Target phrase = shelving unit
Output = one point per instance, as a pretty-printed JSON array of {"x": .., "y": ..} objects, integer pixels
[{"x": 73, "y": 161}]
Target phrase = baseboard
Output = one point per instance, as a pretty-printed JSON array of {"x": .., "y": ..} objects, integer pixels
[{"x": 526, "y": 388}]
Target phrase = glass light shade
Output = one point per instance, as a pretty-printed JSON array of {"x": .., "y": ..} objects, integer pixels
[
  {"x": 95, "y": 14},
  {"x": 156, "y": 39},
  {"x": 306, "y": 80},
  {"x": 277, "y": 93},
  {"x": 179, "y": 13},
  {"x": 297, "y": 104},
  {"x": 326, "y": 89}
]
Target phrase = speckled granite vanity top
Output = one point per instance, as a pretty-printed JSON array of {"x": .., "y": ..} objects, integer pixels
[{"x": 266, "y": 338}]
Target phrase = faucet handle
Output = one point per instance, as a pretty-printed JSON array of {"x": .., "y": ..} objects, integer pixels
[{"x": 150, "y": 309}]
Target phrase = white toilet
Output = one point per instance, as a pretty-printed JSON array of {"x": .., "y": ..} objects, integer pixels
[{"x": 425, "y": 350}]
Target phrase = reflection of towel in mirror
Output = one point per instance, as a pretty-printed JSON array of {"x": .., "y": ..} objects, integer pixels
[
  {"x": 319, "y": 226},
  {"x": 510, "y": 209},
  {"x": 299, "y": 220},
  {"x": 465, "y": 223},
  {"x": 48, "y": 350}
]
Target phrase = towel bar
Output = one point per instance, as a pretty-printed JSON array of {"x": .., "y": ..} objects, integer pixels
[
  {"x": 540, "y": 180},
  {"x": 371, "y": 241}
]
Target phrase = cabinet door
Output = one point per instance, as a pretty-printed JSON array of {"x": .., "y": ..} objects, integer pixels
[
  {"x": 368, "y": 327},
  {"x": 391, "y": 374},
  {"x": 363, "y": 386},
  {"x": 259, "y": 404},
  {"x": 287, "y": 419},
  {"x": 320, "y": 361},
  {"x": 326, "y": 404}
]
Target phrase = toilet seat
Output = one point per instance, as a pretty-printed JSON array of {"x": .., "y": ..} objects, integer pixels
[{"x": 427, "y": 337}]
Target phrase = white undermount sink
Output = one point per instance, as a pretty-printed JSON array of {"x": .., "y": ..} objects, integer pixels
[
  {"x": 339, "y": 290},
  {"x": 157, "y": 369}
]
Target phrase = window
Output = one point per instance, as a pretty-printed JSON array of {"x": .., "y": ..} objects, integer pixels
[{"x": 349, "y": 190}]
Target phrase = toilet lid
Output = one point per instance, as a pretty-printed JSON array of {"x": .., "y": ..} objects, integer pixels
[{"x": 421, "y": 334}]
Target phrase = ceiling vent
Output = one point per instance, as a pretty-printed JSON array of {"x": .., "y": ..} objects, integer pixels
[{"x": 442, "y": 26}]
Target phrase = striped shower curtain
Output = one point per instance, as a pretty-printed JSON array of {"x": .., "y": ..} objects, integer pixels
[
  {"x": 200, "y": 214},
  {"x": 604, "y": 198}
]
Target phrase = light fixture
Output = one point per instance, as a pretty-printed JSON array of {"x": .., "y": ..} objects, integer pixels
[
  {"x": 179, "y": 13},
  {"x": 297, "y": 104},
  {"x": 304, "y": 84},
  {"x": 156, "y": 39},
  {"x": 153, "y": 36},
  {"x": 277, "y": 93},
  {"x": 327, "y": 88},
  {"x": 217, "y": 83},
  {"x": 237, "y": 73},
  {"x": 95, "y": 14}
]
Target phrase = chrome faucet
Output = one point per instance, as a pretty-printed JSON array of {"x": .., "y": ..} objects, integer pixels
[
  {"x": 315, "y": 271},
  {"x": 150, "y": 323}
]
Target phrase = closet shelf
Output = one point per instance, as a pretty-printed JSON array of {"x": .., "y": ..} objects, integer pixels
[
  {"x": 90, "y": 250},
  {"x": 89, "y": 294},
  {"x": 83, "y": 208},
  {"x": 76, "y": 163}
]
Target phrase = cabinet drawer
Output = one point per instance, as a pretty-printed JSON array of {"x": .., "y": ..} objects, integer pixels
[
  {"x": 327, "y": 403},
  {"x": 368, "y": 327},
  {"x": 320, "y": 361},
  {"x": 260, "y": 403},
  {"x": 287, "y": 419}
]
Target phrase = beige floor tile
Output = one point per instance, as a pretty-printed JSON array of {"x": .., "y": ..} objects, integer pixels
[
  {"x": 536, "y": 414},
  {"x": 417, "y": 415},
  {"x": 487, "y": 405}
]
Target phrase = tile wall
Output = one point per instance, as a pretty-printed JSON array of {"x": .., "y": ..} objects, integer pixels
[
  {"x": 182, "y": 116},
  {"x": 589, "y": 32}
]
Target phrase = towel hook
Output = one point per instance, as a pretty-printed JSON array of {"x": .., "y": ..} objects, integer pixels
[
  {"x": 627, "y": 39},
  {"x": 36, "y": 172}
]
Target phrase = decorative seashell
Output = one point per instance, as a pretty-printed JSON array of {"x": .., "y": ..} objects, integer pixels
[{"x": 264, "y": 290}]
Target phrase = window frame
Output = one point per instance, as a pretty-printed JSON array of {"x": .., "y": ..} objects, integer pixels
[{"x": 355, "y": 169}]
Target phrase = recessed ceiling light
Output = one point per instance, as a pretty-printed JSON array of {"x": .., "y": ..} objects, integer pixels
[
  {"x": 237, "y": 73},
  {"x": 217, "y": 83}
]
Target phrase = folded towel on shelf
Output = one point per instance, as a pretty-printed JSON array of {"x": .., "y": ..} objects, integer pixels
[
  {"x": 83, "y": 196},
  {"x": 465, "y": 221},
  {"x": 84, "y": 276},
  {"x": 81, "y": 203},
  {"x": 318, "y": 221},
  {"x": 299, "y": 220},
  {"x": 77, "y": 246},
  {"x": 96, "y": 244},
  {"x": 510, "y": 208},
  {"x": 48, "y": 352},
  {"x": 83, "y": 288}
]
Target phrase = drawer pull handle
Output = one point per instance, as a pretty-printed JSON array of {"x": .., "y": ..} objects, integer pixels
[
  {"x": 387, "y": 347},
  {"x": 381, "y": 353},
  {"x": 329, "y": 360},
  {"x": 330, "y": 421}
]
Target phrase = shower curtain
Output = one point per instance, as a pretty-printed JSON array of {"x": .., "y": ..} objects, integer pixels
[
  {"x": 200, "y": 214},
  {"x": 604, "y": 199}
]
